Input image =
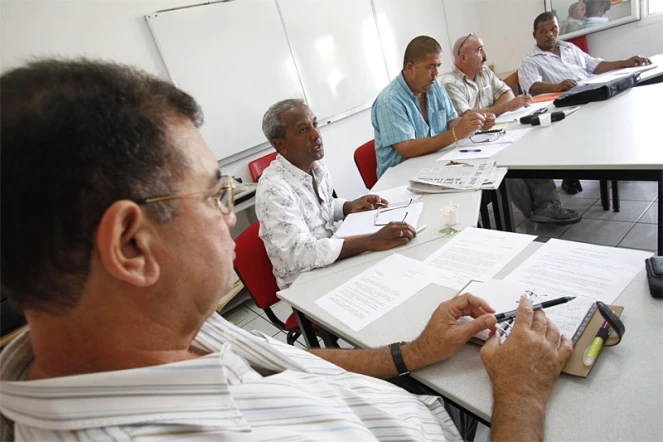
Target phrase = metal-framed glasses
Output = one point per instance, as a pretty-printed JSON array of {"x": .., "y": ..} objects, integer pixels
[
  {"x": 223, "y": 195},
  {"x": 381, "y": 211},
  {"x": 464, "y": 41},
  {"x": 487, "y": 137}
]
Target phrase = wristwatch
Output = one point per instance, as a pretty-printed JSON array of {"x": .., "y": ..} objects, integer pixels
[{"x": 397, "y": 356}]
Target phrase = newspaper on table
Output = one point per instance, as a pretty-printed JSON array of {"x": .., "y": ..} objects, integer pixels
[{"x": 455, "y": 177}]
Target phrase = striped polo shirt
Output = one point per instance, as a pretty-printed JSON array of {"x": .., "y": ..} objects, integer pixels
[
  {"x": 546, "y": 67},
  {"x": 480, "y": 93},
  {"x": 396, "y": 117},
  {"x": 221, "y": 396}
]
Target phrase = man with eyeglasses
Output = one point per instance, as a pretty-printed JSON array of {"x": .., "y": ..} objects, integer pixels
[
  {"x": 295, "y": 205},
  {"x": 413, "y": 115},
  {"x": 472, "y": 86},
  {"x": 116, "y": 246}
]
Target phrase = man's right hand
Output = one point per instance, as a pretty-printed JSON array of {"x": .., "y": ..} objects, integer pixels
[
  {"x": 523, "y": 100},
  {"x": 566, "y": 85},
  {"x": 469, "y": 123},
  {"x": 392, "y": 235}
]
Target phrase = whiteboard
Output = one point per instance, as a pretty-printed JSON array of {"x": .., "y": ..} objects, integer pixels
[
  {"x": 399, "y": 21},
  {"x": 338, "y": 54},
  {"x": 234, "y": 59}
]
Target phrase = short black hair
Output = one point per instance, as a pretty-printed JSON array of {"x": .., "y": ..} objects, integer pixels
[
  {"x": 594, "y": 6},
  {"x": 78, "y": 135},
  {"x": 545, "y": 16},
  {"x": 419, "y": 48}
]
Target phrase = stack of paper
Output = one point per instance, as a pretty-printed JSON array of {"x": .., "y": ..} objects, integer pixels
[
  {"x": 454, "y": 177},
  {"x": 364, "y": 223}
]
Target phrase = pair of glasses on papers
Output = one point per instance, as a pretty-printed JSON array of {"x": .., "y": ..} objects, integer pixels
[
  {"x": 487, "y": 136},
  {"x": 384, "y": 222}
]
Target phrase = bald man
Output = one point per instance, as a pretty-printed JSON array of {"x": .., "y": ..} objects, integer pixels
[{"x": 473, "y": 87}]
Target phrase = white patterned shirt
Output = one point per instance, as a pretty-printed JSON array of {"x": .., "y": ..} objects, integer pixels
[
  {"x": 217, "y": 397},
  {"x": 480, "y": 93},
  {"x": 546, "y": 67},
  {"x": 295, "y": 227}
]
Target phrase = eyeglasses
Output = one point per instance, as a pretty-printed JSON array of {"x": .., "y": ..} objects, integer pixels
[
  {"x": 487, "y": 137},
  {"x": 464, "y": 41},
  {"x": 224, "y": 195},
  {"x": 387, "y": 209}
]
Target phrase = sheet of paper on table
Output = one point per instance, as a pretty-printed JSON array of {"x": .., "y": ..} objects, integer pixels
[
  {"x": 376, "y": 291},
  {"x": 508, "y": 117},
  {"x": 363, "y": 223},
  {"x": 396, "y": 195},
  {"x": 569, "y": 268},
  {"x": 476, "y": 254}
]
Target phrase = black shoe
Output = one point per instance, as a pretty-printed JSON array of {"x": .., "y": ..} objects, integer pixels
[
  {"x": 571, "y": 186},
  {"x": 554, "y": 213}
]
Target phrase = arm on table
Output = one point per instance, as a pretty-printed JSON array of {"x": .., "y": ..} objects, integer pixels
[
  {"x": 441, "y": 338},
  {"x": 607, "y": 66}
]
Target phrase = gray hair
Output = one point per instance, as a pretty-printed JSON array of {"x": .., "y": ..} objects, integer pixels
[{"x": 272, "y": 125}]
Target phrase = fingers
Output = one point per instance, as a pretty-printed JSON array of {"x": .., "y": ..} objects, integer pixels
[
  {"x": 540, "y": 323},
  {"x": 524, "y": 315},
  {"x": 469, "y": 329},
  {"x": 565, "y": 349},
  {"x": 470, "y": 305},
  {"x": 552, "y": 334}
]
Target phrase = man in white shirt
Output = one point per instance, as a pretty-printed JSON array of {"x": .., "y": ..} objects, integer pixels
[
  {"x": 596, "y": 10},
  {"x": 294, "y": 202},
  {"x": 119, "y": 268},
  {"x": 557, "y": 66},
  {"x": 473, "y": 87}
]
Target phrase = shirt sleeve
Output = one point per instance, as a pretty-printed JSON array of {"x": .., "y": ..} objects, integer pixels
[
  {"x": 393, "y": 122},
  {"x": 590, "y": 62},
  {"x": 458, "y": 97},
  {"x": 290, "y": 245},
  {"x": 338, "y": 208},
  {"x": 528, "y": 74},
  {"x": 498, "y": 87}
]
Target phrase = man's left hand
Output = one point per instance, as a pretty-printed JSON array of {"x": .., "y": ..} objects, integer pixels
[
  {"x": 635, "y": 61},
  {"x": 443, "y": 336},
  {"x": 489, "y": 122},
  {"x": 366, "y": 202}
]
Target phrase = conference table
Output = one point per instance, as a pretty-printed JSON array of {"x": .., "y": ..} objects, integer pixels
[{"x": 621, "y": 399}]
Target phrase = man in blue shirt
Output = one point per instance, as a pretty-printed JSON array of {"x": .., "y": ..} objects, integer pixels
[{"x": 413, "y": 115}]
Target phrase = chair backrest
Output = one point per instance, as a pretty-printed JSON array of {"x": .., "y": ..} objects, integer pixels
[
  {"x": 254, "y": 267},
  {"x": 367, "y": 163},
  {"x": 512, "y": 82},
  {"x": 256, "y": 167}
]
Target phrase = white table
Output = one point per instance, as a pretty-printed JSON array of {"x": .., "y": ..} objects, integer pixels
[
  {"x": 622, "y": 399},
  {"x": 617, "y": 139}
]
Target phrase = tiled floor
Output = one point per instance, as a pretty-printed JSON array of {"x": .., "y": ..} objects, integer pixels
[{"x": 634, "y": 226}]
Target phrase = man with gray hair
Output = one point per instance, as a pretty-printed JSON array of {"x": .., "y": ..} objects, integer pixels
[{"x": 294, "y": 203}]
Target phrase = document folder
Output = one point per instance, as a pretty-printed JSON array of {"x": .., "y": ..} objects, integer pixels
[{"x": 597, "y": 91}]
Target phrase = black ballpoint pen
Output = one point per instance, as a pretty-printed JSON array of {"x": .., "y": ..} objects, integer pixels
[{"x": 501, "y": 317}]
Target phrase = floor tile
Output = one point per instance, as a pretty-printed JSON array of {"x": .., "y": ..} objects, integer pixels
[
  {"x": 595, "y": 231},
  {"x": 629, "y": 211},
  {"x": 344, "y": 344},
  {"x": 580, "y": 205},
  {"x": 651, "y": 215},
  {"x": 240, "y": 316},
  {"x": 263, "y": 325},
  {"x": 642, "y": 236},
  {"x": 637, "y": 190},
  {"x": 547, "y": 230},
  {"x": 282, "y": 310},
  {"x": 251, "y": 305}
]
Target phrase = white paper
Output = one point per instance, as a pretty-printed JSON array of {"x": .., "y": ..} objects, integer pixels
[
  {"x": 568, "y": 268},
  {"x": 376, "y": 291},
  {"x": 508, "y": 117},
  {"x": 504, "y": 296},
  {"x": 396, "y": 195},
  {"x": 511, "y": 136},
  {"x": 363, "y": 223},
  {"x": 476, "y": 254},
  {"x": 461, "y": 176},
  {"x": 482, "y": 151}
]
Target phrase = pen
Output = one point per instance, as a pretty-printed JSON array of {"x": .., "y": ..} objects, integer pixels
[
  {"x": 593, "y": 350},
  {"x": 501, "y": 317},
  {"x": 469, "y": 150},
  {"x": 421, "y": 229}
]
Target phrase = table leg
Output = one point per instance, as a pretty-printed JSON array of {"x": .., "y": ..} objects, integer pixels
[
  {"x": 485, "y": 216},
  {"x": 306, "y": 327},
  {"x": 660, "y": 214},
  {"x": 504, "y": 203},
  {"x": 605, "y": 198},
  {"x": 615, "y": 196}
]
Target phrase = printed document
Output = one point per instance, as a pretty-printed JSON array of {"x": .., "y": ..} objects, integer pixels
[
  {"x": 396, "y": 195},
  {"x": 364, "y": 223},
  {"x": 476, "y": 254},
  {"x": 568, "y": 268},
  {"x": 511, "y": 136},
  {"x": 508, "y": 117},
  {"x": 374, "y": 292}
]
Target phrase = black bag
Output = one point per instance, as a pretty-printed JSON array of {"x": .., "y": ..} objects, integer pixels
[
  {"x": 654, "y": 267},
  {"x": 596, "y": 92}
]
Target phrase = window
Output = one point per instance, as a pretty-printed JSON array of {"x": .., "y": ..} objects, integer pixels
[{"x": 654, "y": 7}]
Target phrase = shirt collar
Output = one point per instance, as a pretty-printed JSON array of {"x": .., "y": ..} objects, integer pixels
[
  {"x": 538, "y": 51},
  {"x": 401, "y": 81},
  {"x": 124, "y": 397},
  {"x": 297, "y": 173}
]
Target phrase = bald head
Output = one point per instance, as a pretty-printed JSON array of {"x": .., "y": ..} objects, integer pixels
[
  {"x": 469, "y": 55},
  {"x": 461, "y": 45}
]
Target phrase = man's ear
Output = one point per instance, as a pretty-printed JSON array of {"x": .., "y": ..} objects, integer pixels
[
  {"x": 279, "y": 145},
  {"x": 125, "y": 242}
]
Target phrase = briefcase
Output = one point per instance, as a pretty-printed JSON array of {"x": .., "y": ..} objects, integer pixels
[{"x": 597, "y": 91}]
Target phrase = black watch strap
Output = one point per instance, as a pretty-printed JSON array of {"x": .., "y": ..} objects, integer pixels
[{"x": 397, "y": 356}]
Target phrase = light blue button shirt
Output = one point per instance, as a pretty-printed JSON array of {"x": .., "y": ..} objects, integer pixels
[{"x": 397, "y": 117}]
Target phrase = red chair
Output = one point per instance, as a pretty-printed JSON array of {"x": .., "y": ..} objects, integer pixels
[
  {"x": 256, "y": 167},
  {"x": 367, "y": 163}
]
